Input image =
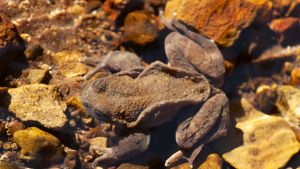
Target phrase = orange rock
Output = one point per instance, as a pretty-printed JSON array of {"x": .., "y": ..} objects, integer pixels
[
  {"x": 140, "y": 27},
  {"x": 220, "y": 20},
  {"x": 213, "y": 161},
  {"x": 295, "y": 76},
  {"x": 282, "y": 24},
  {"x": 11, "y": 44}
]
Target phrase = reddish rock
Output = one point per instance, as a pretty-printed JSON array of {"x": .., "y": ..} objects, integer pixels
[
  {"x": 140, "y": 27},
  {"x": 11, "y": 44},
  {"x": 220, "y": 20}
]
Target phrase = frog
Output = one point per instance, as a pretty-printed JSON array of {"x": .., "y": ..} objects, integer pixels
[{"x": 141, "y": 99}]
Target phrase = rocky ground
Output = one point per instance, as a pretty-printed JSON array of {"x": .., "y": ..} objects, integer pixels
[{"x": 44, "y": 125}]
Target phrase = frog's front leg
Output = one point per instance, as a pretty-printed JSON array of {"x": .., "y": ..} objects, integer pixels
[
  {"x": 127, "y": 148},
  {"x": 208, "y": 124}
]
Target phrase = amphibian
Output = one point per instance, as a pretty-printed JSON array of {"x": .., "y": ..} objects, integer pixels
[{"x": 146, "y": 98}]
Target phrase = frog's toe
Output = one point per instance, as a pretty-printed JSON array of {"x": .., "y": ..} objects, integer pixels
[
  {"x": 174, "y": 158},
  {"x": 105, "y": 155}
]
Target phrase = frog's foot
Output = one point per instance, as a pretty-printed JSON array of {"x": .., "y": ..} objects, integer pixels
[
  {"x": 106, "y": 156},
  {"x": 93, "y": 61},
  {"x": 92, "y": 72},
  {"x": 127, "y": 148},
  {"x": 181, "y": 155}
]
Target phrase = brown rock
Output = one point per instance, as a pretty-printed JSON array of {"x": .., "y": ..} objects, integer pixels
[
  {"x": 295, "y": 76},
  {"x": 11, "y": 44},
  {"x": 220, "y": 20},
  {"x": 36, "y": 76},
  {"x": 140, "y": 27},
  {"x": 38, "y": 103},
  {"x": 132, "y": 166},
  {"x": 38, "y": 146}
]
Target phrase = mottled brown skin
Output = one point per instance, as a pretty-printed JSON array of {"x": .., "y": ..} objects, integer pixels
[{"x": 140, "y": 99}]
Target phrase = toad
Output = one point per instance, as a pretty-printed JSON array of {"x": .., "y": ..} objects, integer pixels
[{"x": 139, "y": 99}]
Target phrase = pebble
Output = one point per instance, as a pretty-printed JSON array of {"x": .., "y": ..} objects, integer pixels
[
  {"x": 38, "y": 146},
  {"x": 36, "y": 76},
  {"x": 38, "y": 103},
  {"x": 268, "y": 141},
  {"x": 140, "y": 27}
]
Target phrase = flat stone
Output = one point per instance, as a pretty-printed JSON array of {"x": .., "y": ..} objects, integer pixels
[
  {"x": 220, "y": 20},
  {"x": 268, "y": 141},
  {"x": 288, "y": 103},
  {"x": 38, "y": 146},
  {"x": 36, "y": 76},
  {"x": 38, "y": 103},
  {"x": 68, "y": 65}
]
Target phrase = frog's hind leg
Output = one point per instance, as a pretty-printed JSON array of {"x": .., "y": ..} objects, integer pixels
[
  {"x": 126, "y": 149},
  {"x": 208, "y": 124}
]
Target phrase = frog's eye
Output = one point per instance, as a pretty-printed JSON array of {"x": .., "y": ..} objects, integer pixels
[{"x": 99, "y": 85}]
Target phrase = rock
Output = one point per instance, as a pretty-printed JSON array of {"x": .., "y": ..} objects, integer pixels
[
  {"x": 70, "y": 161},
  {"x": 132, "y": 166},
  {"x": 38, "y": 147},
  {"x": 36, "y": 76},
  {"x": 213, "y": 161},
  {"x": 220, "y": 20},
  {"x": 38, "y": 103},
  {"x": 98, "y": 141},
  {"x": 68, "y": 65},
  {"x": 268, "y": 141},
  {"x": 295, "y": 76},
  {"x": 9, "y": 165},
  {"x": 288, "y": 103},
  {"x": 14, "y": 126},
  {"x": 33, "y": 51},
  {"x": 140, "y": 27},
  {"x": 11, "y": 44}
]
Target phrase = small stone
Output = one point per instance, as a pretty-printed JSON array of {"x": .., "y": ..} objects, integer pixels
[
  {"x": 8, "y": 165},
  {"x": 33, "y": 51},
  {"x": 68, "y": 64},
  {"x": 71, "y": 158},
  {"x": 11, "y": 44},
  {"x": 220, "y": 20},
  {"x": 98, "y": 141},
  {"x": 268, "y": 141},
  {"x": 36, "y": 76},
  {"x": 38, "y": 103},
  {"x": 14, "y": 126},
  {"x": 213, "y": 161},
  {"x": 7, "y": 146},
  {"x": 38, "y": 146},
  {"x": 140, "y": 27},
  {"x": 288, "y": 103},
  {"x": 295, "y": 76}
]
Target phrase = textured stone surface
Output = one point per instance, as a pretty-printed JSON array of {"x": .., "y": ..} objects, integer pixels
[
  {"x": 140, "y": 27},
  {"x": 288, "y": 103},
  {"x": 268, "y": 141},
  {"x": 38, "y": 103},
  {"x": 220, "y": 20},
  {"x": 68, "y": 65},
  {"x": 38, "y": 145}
]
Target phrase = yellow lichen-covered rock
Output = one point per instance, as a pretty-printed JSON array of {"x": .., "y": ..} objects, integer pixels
[
  {"x": 220, "y": 20},
  {"x": 37, "y": 145},
  {"x": 38, "y": 103},
  {"x": 268, "y": 141},
  {"x": 288, "y": 103},
  {"x": 68, "y": 65},
  {"x": 212, "y": 161}
]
